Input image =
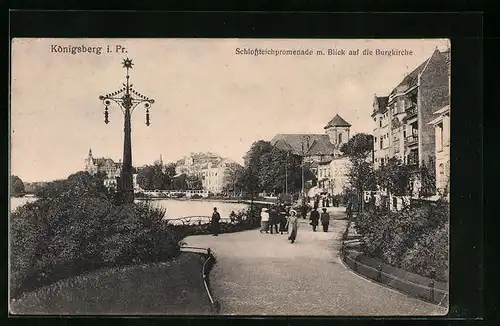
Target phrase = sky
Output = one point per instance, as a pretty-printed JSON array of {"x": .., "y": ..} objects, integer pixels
[{"x": 207, "y": 97}]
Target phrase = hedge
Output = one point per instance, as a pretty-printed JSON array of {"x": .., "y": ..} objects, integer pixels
[{"x": 414, "y": 239}]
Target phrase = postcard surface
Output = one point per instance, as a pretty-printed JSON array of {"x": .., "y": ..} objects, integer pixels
[{"x": 229, "y": 176}]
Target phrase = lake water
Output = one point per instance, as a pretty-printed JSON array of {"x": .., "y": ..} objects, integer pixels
[{"x": 175, "y": 208}]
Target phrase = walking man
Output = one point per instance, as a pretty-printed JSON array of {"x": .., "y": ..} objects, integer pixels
[
  {"x": 215, "y": 222},
  {"x": 314, "y": 217},
  {"x": 293, "y": 225},
  {"x": 325, "y": 220},
  {"x": 273, "y": 219}
]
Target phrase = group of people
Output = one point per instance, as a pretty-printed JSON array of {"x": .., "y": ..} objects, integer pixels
[
  {"x": 326, "y": 201},
  {"x": 282, "y": 219}
]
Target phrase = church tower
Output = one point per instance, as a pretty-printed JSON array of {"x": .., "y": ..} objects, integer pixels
[
  {"x": 338, "y": 131},
  {"x": 89, "y": 163}
]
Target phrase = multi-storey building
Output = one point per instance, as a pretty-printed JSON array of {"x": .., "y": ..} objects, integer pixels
[
  {"x": 402, "y": 119},
  {"x": 211, "y": 168},
  {"x": 339, "y": 175},
  {"x": 102, "y": 165},
  {"x": 107, "y": 166},
  {"x": 193, "y": 163},
  {"x": 441, "y": 126}
]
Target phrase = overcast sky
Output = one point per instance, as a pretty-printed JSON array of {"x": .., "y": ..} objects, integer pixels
[{"x": 208, "y": 98}]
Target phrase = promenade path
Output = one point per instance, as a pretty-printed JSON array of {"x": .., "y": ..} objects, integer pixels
[{"x": 264, "y": 274}]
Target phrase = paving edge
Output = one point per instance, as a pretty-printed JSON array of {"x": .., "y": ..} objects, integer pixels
[
  {"x": 205, "y": 272},
  {"x": 426, "y": 293}
]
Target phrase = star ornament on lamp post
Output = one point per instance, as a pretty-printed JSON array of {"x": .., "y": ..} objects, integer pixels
[{"x": 127, "y": 99}]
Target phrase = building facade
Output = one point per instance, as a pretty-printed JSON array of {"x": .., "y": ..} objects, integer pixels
[
  {"x": 402, "y": 119},
  {"x": 441, "y": 126},
  {"x": 211, "y": 168},
  {"x": 109, "y": 168},
  {"x": 339, "y": 175}
]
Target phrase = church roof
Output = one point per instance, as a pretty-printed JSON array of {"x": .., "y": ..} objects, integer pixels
[
  {"x": 321, "y": 146},
  {"x": 337, "y": 121},
  {"x": 295, "y": 142}
]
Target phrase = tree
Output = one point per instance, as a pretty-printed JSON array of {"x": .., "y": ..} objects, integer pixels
[
  {"x": 233, "y": 177},
  {"x": 359, "y": 146},
  {"x": 361, "y": 175},
  {"x": 169, "y": 175},
  {"x": 16, "y": 186},
  {"x": 395, "y": 177},
  {"x": 427, "y": 173},
  {"x": 193, "y": 182},
  {"x": 151, "y": 177},
  {"x": 180, "y": 183}
]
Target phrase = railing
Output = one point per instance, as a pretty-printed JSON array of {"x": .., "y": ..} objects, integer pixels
[
  {"x": 411, "y": 110},
  {"x": 205, "y": 271},
  {"x": 197, "y": 220},
  {"x": 411, "y": 140}
]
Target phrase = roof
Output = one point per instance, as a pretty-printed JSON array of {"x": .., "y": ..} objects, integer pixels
[
  {"x": 337, "y": 121},
  {"x": 295, "y": 141},
  {"x": 382, "y": 102},
  {"x": 321, "y": 147},
  {"x": 327, "y": 162},
  {"x": 104, "y": 161},
  {"x": 411, "y": 79}
]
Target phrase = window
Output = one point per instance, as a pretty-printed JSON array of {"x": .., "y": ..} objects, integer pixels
[
  {"x": 375, "y": 138},
  {"x": 380, "y": 122},
  {"x": 340, "y": 138},
  {"x": 441, "y": 170},
  {"x": 439, "y": 137},
  {"x": 382, "y": 161},
  {"x": 404, "y": 133},
  {"x": 381, "y": 143}
]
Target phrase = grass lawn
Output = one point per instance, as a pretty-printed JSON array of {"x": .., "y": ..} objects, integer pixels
[{"x": 171, "y": 288}]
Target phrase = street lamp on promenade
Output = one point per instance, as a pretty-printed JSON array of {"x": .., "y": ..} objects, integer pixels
[{"x": 127, "y": 100}]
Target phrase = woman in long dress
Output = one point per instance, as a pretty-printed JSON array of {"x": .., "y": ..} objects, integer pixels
[{"x": 293, "y": 225}]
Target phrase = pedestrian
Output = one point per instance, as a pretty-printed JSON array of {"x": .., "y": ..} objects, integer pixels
[
  {"x": 325, "y": 220},
  {"x": 323, "y": 201},
  {"x": 327, "y": 201},
  {"x": 215, "y": 222},
  {"x": 232, "y": 217},
  {"x": 316, "y": 202},
  {"x": 314, "y": 217},
  {"x": 348, "y": 209},
  {"x": 293, "y": 225},
  {"x": 273, "y": 219},
  {"x": 304, "y": 210},
  {"x": 283, "y": 220},
  {"x": 264, "y": 220}
]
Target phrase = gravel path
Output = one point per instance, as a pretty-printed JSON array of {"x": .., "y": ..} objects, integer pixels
[{"x": 264, "y": 274}]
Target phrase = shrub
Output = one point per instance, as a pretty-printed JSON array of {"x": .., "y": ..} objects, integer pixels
[
  {"x": 196, "y": 196},
  {"x": 75, "y": 226},
  {"x": 415, "y": 238}
]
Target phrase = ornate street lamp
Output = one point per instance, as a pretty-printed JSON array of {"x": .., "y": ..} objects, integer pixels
[{"x": 127, "y": 99}]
